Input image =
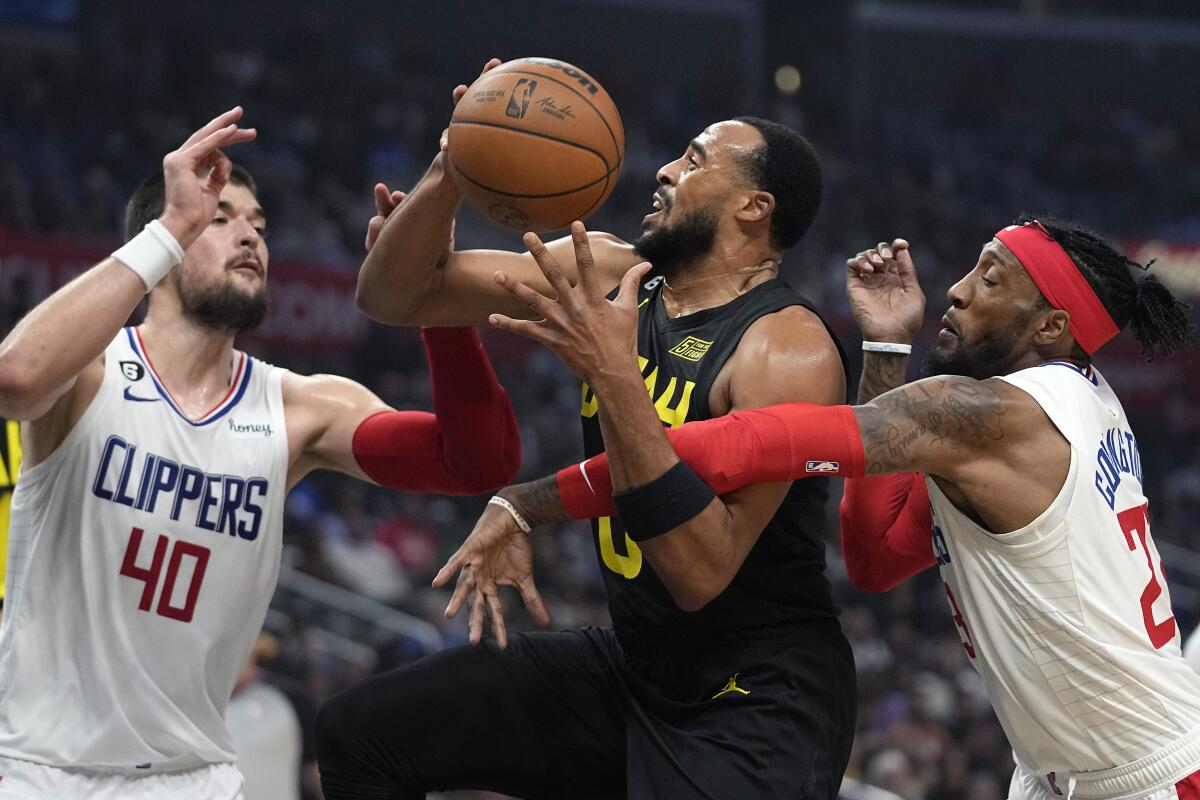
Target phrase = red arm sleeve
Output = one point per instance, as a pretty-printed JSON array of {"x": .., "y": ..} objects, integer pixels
[
  {"x": 886, "y": 530},
  {"x": 761, "y": 445},
  {"x": 469, "y": 445}
]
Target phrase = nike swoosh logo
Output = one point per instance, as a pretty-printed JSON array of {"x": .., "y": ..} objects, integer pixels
[
  {"x": 137, "y": 399},
  {"x": 586, "y": 479}
]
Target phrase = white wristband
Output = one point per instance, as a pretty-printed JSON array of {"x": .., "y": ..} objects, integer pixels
[
  {"x": 887, "y": 347},
  {"x": 497, "y": 500},
  {"x": 151, "y": 254}
]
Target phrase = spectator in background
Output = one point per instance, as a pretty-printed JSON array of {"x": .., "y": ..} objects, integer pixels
[{"x": 266, "y": 731}]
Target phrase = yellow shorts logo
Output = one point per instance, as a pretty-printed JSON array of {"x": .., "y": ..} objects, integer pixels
[{"x": 691, "y": 349}]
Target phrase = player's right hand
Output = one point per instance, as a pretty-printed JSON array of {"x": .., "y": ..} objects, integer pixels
[
  {"x": 457, "y": 93},
  {"x": 884, "y": 294},
  {"x": 196, "y": 173},
  {"x": 497, "y": 553}
]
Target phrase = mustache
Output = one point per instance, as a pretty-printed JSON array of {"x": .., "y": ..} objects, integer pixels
[
  {"x": 244, "y": 256},
  {"x": 663, "y": 198}
]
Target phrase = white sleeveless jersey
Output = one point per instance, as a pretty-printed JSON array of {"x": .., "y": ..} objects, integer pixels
[
  {"x": 142, "y": 556},
  {"x": 1068, "y": 619}
]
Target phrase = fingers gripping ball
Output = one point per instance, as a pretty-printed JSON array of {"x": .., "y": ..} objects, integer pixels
[{"x": 536, "y": 143}]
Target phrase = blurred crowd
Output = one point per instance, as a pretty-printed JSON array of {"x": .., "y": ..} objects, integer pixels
[{"x": 77, "y": 133}]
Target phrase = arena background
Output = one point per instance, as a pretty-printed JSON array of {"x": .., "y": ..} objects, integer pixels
[{"x": 936, "y": 123}]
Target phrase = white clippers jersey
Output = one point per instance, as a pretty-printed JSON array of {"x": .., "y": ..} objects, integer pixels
[
  {"x": 142, "y": 556},
  {"x": 1068, "y": 619}
]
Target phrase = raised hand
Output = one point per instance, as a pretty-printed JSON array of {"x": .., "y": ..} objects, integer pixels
[
  {"x": 497, "y": 553},
  {"x": 594, "y": 336},
  {"x": 457, "y": 93},
  {"x": 886, "y": 298},
  {"x": 196, "y": 173}
]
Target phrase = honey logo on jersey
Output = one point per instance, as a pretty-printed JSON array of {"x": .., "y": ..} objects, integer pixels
[
  {"x": 250, "y": 430},
  {"x": 691, "y": 349}
]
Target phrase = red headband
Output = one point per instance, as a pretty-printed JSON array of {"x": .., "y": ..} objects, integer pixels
[{"x": 1061, "y": 282}]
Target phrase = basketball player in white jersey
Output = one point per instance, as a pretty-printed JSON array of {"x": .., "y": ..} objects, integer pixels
[
  {"x": 146, "y": 527},
  {"x": 1014, "y": 469}
]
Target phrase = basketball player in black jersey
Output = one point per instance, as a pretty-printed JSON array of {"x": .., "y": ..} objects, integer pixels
[{"x": 725, "y": 674}]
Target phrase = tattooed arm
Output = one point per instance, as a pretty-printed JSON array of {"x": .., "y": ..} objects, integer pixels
[
  {"x": 989, "y": 446},
  {"x": 936, "y": 424},
  {"x": 881, "y": 373},
  {"x": 888, "y": 306},
  {"x": 885, "y": 520}
]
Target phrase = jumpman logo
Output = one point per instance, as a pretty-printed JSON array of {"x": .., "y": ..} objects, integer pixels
[{"x": 731, "y": 686}]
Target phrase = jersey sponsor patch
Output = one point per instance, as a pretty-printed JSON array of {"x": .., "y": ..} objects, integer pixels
[
  {"x": 249, "y": 430},
  {"x": 133, "y": 370},
  {"x": 822, "y": 466},
  {"x": 691, "y": 349}
]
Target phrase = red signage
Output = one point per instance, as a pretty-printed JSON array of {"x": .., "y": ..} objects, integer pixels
[{"x": 311, "y": 306}]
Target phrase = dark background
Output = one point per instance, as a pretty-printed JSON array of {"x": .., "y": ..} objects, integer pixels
[{"x": 939, "y": 123}]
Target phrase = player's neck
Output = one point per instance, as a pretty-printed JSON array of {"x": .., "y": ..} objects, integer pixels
[
  {"x": 716, "y": 279},
  {"x": 194, "y": 362}
]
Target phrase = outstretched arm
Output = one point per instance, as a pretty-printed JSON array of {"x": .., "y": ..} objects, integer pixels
[
  {"x": 944, "y": 425},
  {"x": 470, "y": 444}
]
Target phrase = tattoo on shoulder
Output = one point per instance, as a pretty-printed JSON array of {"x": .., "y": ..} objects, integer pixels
[{"x": 927, "y": 416}]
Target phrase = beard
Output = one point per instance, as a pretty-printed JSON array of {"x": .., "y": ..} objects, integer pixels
[
  {"x": 667, "y": 247},
  {"x": 222, "y": 306},
  {"x": 986, "y": 359}
]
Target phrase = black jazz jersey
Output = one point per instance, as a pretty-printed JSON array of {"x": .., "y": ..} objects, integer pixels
[{"x": 782, "y": 580}]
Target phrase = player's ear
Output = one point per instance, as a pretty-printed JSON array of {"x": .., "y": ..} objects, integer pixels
[
  {"x": 1053, "y": 325},
  {"x": 756, "y": 205}
]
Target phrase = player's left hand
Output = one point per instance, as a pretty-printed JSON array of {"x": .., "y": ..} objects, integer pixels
[
  {"x": 594, "y": 336},
  {"x": 497, "y": 553},
  {"x": 386, "y": 201}
]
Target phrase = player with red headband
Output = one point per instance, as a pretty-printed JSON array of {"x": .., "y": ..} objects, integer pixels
[{"x": 1012, "y": 467}]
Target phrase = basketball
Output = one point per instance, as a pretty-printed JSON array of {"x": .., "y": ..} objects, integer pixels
[{"x": 536, "y": 144}]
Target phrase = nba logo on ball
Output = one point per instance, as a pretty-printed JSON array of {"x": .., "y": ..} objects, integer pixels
[
  {"x": 518, "y": 107},
  {"x": 549, "y": 152}
]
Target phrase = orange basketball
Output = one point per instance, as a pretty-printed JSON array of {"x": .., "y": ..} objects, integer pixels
[{"x": 535, "y": 144}]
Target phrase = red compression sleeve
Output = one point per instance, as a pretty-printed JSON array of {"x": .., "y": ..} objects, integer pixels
[
  {"x": 760, "y": 445},
  {"x": 469, "y": 445},
  {"x": 886, "y": 530}
]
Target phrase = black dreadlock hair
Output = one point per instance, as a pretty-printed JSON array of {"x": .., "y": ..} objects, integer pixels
[{"x": 1159, "y": 321}]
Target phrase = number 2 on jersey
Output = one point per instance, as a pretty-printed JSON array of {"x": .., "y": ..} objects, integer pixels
[
  {"x": 1135, "y": 524},
  {"x": 149, "y": 576}
]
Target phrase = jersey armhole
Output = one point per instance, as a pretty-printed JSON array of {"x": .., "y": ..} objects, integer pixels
[{"x": 95, "y": 406}]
